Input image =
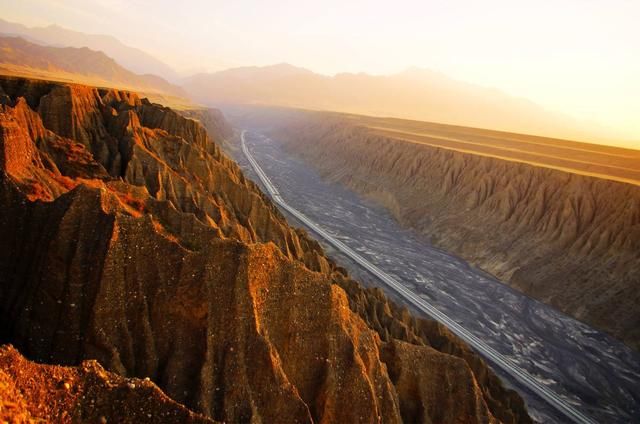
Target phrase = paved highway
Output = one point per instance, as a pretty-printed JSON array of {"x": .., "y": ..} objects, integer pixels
[{"x": 489, "y": 353}]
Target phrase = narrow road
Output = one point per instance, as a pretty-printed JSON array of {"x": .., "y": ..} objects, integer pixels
[{"x": 489, "y": 353}]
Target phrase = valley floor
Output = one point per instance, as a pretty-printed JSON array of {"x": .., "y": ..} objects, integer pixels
[{"x": 586, "y": 367}]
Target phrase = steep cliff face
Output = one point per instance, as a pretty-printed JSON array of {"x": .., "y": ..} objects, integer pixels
[
  {"x": 129, "y": 238},
  {"x": 569, "y": 240}
]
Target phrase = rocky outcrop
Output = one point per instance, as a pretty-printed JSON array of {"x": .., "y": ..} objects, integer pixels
[
  {"x": 569, "y": 240},
  {"x": 32, "y": 393},
  {"x": 170, "y": 155},
  {"x": 148, "y": 251}
]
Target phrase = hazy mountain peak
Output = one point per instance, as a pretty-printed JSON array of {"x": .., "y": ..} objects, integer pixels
[
  {"x": 82, "y": 64},
  {"x": 284, "y": 66},
  {"x": 131, "y": 58},
  {"x": 416, "y": 72},
  {"x": 415, "y": 93},
  {"x": 257, "y": 73}
]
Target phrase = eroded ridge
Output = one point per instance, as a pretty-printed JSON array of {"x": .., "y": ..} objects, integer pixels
[{"x": 129, "y": 238}]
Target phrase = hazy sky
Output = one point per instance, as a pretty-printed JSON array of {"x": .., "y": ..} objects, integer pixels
[{"x": 580, "y": 57}]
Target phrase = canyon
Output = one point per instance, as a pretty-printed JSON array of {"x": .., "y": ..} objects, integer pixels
[
  {"x": 129, "y": 238},
  {"x": 569, "y": 239}
]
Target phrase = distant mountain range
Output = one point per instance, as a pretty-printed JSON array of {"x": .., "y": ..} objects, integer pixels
[
  {"x": 131, "y": 58},
  {"x": 418, "y": 94},
  {"x": 83, "y": 65}
]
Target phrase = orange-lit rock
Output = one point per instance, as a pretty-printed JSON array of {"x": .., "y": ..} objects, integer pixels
[
  {"x": 173, "y": 266},
  {"x": 31, "y": 393}
]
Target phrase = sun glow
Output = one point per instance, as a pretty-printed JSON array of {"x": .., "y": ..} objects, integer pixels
[{"x": 580, "y": 58}]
